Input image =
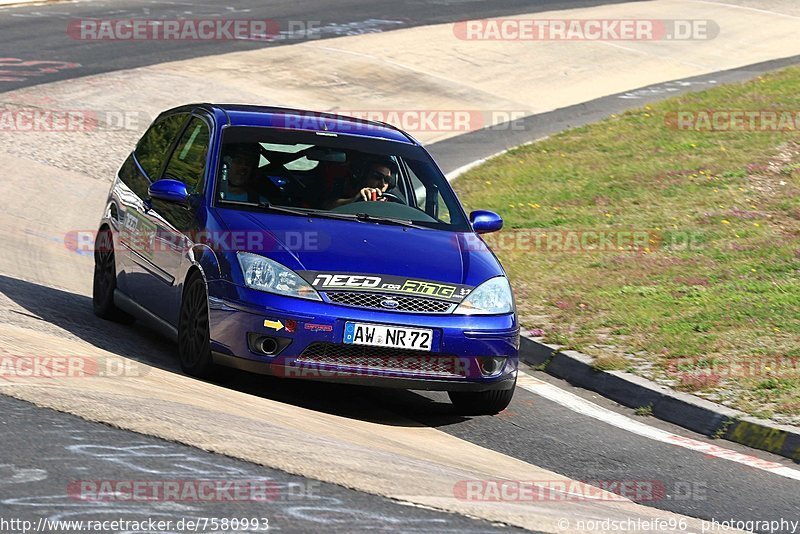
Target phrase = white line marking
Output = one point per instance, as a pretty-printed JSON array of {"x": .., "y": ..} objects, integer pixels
[
  {"x": 452, "y": 175},
  {"x": 585, "y": 407},
  {"x": 455, "y": 173}
]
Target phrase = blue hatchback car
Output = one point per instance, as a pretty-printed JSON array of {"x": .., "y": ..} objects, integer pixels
[{"x": 307, "y": 245}]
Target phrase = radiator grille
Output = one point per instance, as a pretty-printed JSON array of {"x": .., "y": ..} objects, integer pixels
[{"x": 404, "y": 304}]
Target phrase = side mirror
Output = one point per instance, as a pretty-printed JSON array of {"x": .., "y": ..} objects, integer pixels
[
  {"x": 169, "y": 190},
  {"x": 485, "y": 222}
]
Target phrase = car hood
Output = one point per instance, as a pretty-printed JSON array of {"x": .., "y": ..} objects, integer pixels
[{"x": 331, "y": 245}]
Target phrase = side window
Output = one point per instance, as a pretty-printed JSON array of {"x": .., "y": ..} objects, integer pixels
[
  {"x": 429, "y": 199},
  {"x": 153, "y": 147},
  {"x": 444, "y": 213},
  {"x": 419, "y": 189},
  {"x": 188, "y": 162},
  {"x": 130, "y": 175}
]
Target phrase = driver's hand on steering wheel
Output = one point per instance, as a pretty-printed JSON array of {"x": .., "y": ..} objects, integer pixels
[{"x": 366, "y": 194}]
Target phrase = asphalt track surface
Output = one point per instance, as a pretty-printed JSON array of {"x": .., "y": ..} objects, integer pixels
[
  {"x": 72, "y": 453},
  {"x": 39, "y": 33},
  {"x": 533, "y": 429}
]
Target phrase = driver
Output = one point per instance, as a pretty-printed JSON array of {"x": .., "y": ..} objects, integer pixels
[
  {"x": 378, "y": 176},
  {"x": 239, "y": 162}
]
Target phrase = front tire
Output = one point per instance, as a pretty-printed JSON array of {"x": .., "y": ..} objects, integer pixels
[
  {"x": 194, "y": 334},
  {"x": 104, "y": 281},
  {"x": 490, "y": 402}
]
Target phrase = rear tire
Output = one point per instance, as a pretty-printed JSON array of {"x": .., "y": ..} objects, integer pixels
[
  {"x": 490, "y": 402},
  {"x": 194, "y": 333},
  {"x": 104, "y": 282}
]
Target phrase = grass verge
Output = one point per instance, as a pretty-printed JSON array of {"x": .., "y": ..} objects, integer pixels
[{"x": 669, "y": 250}]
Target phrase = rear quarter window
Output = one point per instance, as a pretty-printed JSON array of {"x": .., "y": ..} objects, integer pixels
[
  {"x": 153, "y": 148},
  {"x": 130, "y": 175},
  {"x": 188, "y": 162}
]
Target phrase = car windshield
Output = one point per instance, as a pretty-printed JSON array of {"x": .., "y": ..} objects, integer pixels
[{"x": 334, "y": 175}]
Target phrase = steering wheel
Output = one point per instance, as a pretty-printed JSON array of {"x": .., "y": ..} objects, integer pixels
[{"x": 392, "y": 198}]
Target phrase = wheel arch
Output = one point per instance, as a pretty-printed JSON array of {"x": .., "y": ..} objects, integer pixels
[{"x": 194, "y": 270}]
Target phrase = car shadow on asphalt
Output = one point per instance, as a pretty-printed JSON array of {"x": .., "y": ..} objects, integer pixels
[{"x": 49, "y": 309}]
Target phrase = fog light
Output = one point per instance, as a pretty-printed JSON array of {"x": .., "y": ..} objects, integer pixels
[{"x": 491, "y": 365}]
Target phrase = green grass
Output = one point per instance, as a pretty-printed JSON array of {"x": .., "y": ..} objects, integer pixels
[{"x": 719, "y": 280}]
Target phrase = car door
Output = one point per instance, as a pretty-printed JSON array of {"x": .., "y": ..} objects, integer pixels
[
  {"x": 173, "y": 223},
  {"x": 143, "y": 279}
]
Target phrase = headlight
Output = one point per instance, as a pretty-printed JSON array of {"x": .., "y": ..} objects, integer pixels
[
  {"x": 267, "y": 275},
  {"x": 493, "y": 297}
]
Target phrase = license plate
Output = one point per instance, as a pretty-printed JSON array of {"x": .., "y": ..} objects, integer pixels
[{"x": 377, "y": 335}]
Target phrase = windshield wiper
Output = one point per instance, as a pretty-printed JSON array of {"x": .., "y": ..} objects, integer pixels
[
  {"x": 306, "y": 212},
  {"x": 363, "y": 217},
  {"x": 366, "y": 217},
  {"x": 282, "y": 209},
  {"x": 273, "y": 207}
]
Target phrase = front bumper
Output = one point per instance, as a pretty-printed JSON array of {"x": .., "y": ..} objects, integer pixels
[{"x": 238, "y": 314}]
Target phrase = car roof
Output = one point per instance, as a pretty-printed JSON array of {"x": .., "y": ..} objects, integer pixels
[{"x": 304, "y": 120}]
